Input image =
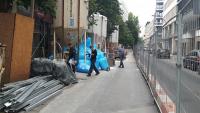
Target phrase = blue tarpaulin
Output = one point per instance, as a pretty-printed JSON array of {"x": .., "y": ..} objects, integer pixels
[{"x": 83, "y": 66}]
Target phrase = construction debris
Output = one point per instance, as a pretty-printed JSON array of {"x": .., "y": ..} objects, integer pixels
[{"x": 28, "y": 94}]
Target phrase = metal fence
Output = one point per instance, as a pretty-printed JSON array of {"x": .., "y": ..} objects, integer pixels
[
  {"x": 175, "y": 80},
  {"x": 174, "y": 86}
]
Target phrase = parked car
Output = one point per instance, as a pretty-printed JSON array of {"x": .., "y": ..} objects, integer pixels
[
  {"x": 192, "y": 60},
  {"x": 163, "y": 53}
]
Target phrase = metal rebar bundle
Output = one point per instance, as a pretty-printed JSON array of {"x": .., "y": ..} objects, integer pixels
[
  {"x": 48, "y": 80},
  {"x": 28, "y": 94}
]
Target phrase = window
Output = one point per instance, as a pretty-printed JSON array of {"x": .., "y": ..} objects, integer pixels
[
  {"x": 195, "y": 53},
  {"x": 198, "y": 45}
]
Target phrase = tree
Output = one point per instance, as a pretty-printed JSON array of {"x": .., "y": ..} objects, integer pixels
[
  {"x": 109, "y": 8},
  {"x": 125, "y": 36},
  {"x": 133, "y": 25},
  {"x": 46, "y": 6},
  {"x": 129, "y": 31}
]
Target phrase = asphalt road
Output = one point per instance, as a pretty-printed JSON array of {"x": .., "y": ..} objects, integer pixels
[
  {"x": 117, "y": 91},
  {"x": 165, "y": 72}
]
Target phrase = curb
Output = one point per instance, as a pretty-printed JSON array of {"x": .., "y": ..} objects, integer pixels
[{"x": 148, "y": 84}]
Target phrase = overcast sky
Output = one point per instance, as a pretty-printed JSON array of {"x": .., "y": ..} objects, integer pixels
[{"x": 144, "y": 9}]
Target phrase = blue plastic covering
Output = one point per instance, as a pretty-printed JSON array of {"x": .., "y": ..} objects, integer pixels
[{"x": 83, "y": 66}]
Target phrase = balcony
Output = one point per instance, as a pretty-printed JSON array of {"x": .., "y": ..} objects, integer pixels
[
  {"x": 159, "y": 8},
  {"x": 159, "y": 16},
  {"x": 158, "y": 23},
  {"x": 160, "y": 1}
]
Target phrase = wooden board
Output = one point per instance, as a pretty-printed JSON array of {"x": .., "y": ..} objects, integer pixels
[
  {"x": 16, "y": 33},
  {"x": 6, "y": 36},
  {"x": 22, "y": 48}
]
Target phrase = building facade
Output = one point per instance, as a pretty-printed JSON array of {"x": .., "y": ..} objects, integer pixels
[
  {"x": 99, "y": 29},
  {"x": 169, "y": 38},
  {"x": 190, "y": 11},
  {"x": 67, "y": 17},
  {"x": 149, "y": 31},
  {"x": 114, "y": 39},
  {"x": 158, "y": 22}
]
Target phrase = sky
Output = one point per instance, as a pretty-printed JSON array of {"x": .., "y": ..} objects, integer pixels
[{"x": 144, "y": 9}]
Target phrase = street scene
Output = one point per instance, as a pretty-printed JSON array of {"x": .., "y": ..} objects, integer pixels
[
  {"x": 99, "y": 56},
  {"x": 117, "y": 91}
]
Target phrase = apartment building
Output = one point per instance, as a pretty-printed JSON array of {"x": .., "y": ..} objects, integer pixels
[
  {"x": 158, "y": 22},
  {"x": 100, "y": 30},
  {"x": 67, "y": 17},
  {"x": 149, "y": 31},
  {"x": 169, "y": 38},
  {"x": 114, "y": 39}
]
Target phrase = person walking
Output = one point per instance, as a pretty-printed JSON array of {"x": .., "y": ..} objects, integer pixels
[
  {"x": 71, "y": 62},
  {"x": 121, "y": 55},
  {"x": 93, "y": 60}
]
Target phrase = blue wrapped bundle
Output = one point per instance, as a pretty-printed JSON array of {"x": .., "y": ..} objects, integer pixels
[
  {"x": 104, "y": 64},
  {"x": 83, "y": 67},
  {"x": 101, "y": 61},
  {"x": 98, "y": 65}
]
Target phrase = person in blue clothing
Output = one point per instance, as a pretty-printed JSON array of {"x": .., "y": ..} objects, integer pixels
[
  {"x": 121, "y": 55},
  {"x": 93, "y": 60}
]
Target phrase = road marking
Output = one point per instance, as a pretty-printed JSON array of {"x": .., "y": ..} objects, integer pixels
[{"x": 198, "y": 97}]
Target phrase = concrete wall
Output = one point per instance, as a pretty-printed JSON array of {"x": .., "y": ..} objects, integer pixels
[
  {"x": 58, "y": 20},
  {"x": 100, "y": 27},
  {"x": 71, "y": 14},
  {"x": 149, "y": 30},
  {"x": 115, "y": 36}
]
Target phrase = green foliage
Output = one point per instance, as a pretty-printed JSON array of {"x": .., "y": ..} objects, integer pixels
[
  {"x": 133, "y": 25},
  {"x": 129, "y": 31},
  {"x": 92, "y": 7},
  {"x": 125, "y": 36},
  {"x": 109, "y": 8},
  {"x": 47, "y": 6}
]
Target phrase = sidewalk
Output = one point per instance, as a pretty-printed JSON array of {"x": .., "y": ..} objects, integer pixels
[{"x": 117, "y": 91}]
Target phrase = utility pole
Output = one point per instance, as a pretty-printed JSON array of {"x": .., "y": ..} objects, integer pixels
[
  {"x": 78, "y": 23},
  {"x": 63, "y": 29},
  {"x": 102, "y": 30},
  {"x": 32, "y": 8},
  {"x": 54, "y": 45}
]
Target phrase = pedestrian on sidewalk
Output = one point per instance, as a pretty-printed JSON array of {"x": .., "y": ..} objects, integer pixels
[
  {"x": 71, "y": 61},
  {"x": 93, "y": 56},
  {"x": 121, "y": 55}
]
